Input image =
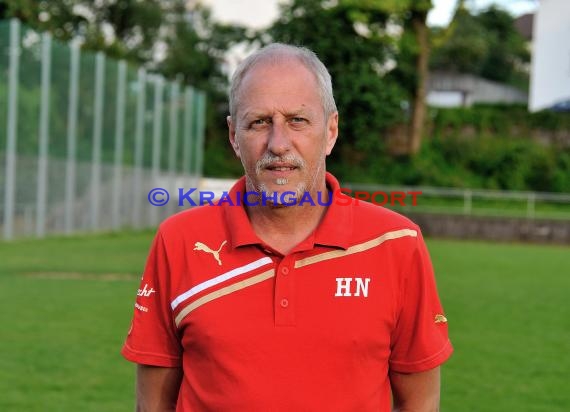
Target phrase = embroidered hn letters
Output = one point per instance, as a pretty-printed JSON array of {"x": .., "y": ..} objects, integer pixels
[
  {"x": 352, "y": 287},
  {"x": 205, "y": 248}
]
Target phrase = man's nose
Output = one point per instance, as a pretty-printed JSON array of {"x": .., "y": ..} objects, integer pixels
[{"x": 279, "y": 141}]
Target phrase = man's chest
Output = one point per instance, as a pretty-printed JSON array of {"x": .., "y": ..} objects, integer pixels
[{"x": 331, "y": 299}]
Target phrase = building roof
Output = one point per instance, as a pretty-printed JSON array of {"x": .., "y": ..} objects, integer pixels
[{"x": 524, "y": 25}]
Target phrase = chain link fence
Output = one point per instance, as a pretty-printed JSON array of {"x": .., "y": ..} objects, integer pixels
[{"x": 83, "y": 138}]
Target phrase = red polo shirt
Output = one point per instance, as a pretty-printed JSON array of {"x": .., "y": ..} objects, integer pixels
[{"x": 315, "y": 330}]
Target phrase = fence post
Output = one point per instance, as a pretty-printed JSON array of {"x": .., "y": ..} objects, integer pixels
[
  {"x": 71, "y": 137},
  {"x": 173, "y": 126},
  {"x": 200, "y": 132},
  {"x": 173, "y": 141},
  {"x": 530, "y": 205},
  {"x": 42, "y": 189},
  {"x": 97, "y": 130},
  {"x": 119, "y": 143},
  {"x": 156, "y": 134},
  {"x": 188, "y": 126},
  {"x": 467, "y": 201},
  {"x": 11, "y": 129},
  {"x": 139, "y": 149}
]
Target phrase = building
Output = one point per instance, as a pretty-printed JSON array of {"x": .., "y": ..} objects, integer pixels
[
  {"x": 464, "y": 90},
  {"x": 550, "y": 71}
]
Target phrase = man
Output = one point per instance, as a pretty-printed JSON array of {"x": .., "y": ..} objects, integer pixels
[{"x": 274, "y": 305}]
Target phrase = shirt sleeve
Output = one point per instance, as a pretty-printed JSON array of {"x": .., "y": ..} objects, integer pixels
[
  {"x": 152, "y": 338},
  {"x": 420, "y": 340}
]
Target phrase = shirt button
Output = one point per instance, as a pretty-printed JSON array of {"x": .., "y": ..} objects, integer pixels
[
  {"x": 284, "y": 303},
  {"x": 285, "y": 270}
]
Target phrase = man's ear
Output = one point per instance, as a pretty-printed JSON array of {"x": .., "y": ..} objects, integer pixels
[
  {"x": 232, "y": 136},
  {"x": 332, "y": 132}
]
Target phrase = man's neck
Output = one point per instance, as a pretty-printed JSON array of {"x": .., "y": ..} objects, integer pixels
[{"x": 284, "y": 227}]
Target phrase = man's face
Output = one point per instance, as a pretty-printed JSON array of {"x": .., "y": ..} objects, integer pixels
[{"x": 280, "y": 132}]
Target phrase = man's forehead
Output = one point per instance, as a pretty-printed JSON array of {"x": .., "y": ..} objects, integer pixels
[
  {"x": 266, "y": 81},
  {"x": 285, "y": 67},
  {"x": 276, "y": 60}
]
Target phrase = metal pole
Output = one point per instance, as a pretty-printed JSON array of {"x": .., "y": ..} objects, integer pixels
[
  {"x": 173, "y": 141},
  {"x": 157, "y": 127},
  {"x": 173, "y": 126},
  {"x": 71, "y": 137},
  {"x": 41, "y": 201},
  {"x": 530, "y": 205},
  {"x": 201, "y": 129},
  {"x": 119, "y": 143},
  {"x": 97, "y": 129},
  {"x": 11, "y": 130},
  {"x": 187, "y": 145},
  {"x": 467, "y": 201},
  {"x": 195, "y": 127},
  {"x": 139, "y": 148},
  {"x": 156, "y": 136}
]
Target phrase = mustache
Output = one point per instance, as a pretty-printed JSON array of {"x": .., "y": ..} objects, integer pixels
[{"x": 268, "y": 159}]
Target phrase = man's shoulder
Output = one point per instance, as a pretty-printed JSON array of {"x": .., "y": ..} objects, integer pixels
[{"x": 379, "y": 219}]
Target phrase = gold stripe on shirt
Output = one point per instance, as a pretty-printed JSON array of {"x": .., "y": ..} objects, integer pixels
[{"x": 361, "y": 247}]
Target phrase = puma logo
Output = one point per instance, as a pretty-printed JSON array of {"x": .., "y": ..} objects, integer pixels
[
  {"x": 440, "y": 319},
  {"x": 206, "y": 248}
]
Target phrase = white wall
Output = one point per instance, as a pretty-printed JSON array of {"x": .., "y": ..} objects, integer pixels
[
  {"x": 437, "y": 98},
  {"x": 550, "y": 74}
]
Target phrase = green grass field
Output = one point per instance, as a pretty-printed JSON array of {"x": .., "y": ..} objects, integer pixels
[{"x": 66, "y": 304}]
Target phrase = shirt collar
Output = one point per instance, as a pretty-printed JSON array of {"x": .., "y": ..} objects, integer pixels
[
  {"x": 334, "y": 230},
  {"x": 238, "y": 224}
]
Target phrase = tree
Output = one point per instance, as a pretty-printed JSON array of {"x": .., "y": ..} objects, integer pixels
[
  {"x": 508, "y": 53},
  {"x": 3, "y": 10},
  {"x": 123, "y": 28},
  {"x": 417, "y": 48},
  {"x": 485, "y": 44},
  {"x": 196, "y": 47},
  {"x": 412, "y": 57}
]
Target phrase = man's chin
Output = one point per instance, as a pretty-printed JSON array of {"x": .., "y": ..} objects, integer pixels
[{"x": 281, "y": 194}]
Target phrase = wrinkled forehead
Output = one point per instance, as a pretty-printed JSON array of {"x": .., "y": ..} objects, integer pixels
[{"x": 280, "y": 72}]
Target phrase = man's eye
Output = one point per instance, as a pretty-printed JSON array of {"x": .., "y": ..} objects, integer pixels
[
  {"x": 298, "y": 119},
  {"x": 259, "y": 122}
]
